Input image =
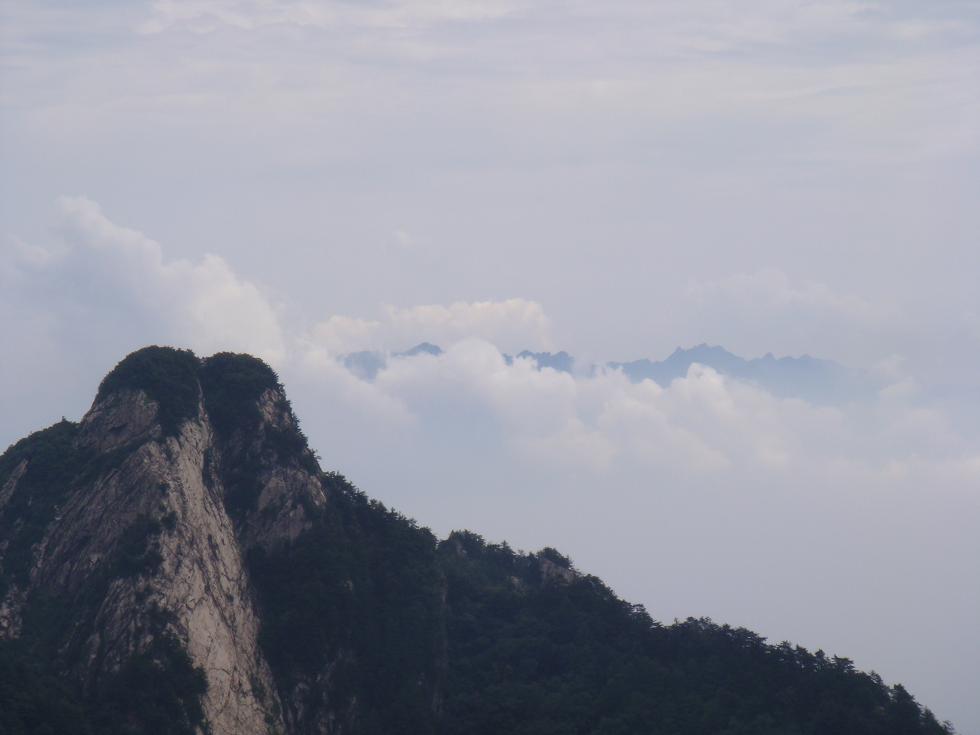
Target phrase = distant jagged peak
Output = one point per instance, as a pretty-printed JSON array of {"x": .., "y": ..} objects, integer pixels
[
  {"x": 702, "y": 350},
  {"x": 713, "y": 356},
  {"x": 817, "y": 380},
  {"x": 559, "y": 361},
  {"x": 366, "y": 364},
  {"x": 422, "y": 348},
  {"x": 717, "y": 356}
]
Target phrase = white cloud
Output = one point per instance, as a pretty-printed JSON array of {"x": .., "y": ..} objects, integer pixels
[
  {"x": 337, "y": 393},
  {"x": 340, "y": 334},
  {"x": 203, "y": 16},
  {"x": 708, "y": 26},
  {"x": 101, "y": 273},
  {"x": 512, "y": 324},
  {"x": 473, "y": 373},
  {"x": 745, "y": 311},
  {"x": 403, "y": 239},
  {"x": 770, "y": 291}
]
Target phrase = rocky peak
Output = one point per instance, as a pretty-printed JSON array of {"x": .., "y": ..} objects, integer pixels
[
  {"x": 169, "y": 377},
  {"x": 181, "y": 466}
]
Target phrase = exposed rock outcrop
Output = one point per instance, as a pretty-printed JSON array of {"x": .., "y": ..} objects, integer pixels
[{"x": 145, "y": 525}]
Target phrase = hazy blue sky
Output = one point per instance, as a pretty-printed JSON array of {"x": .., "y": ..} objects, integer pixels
[{"x": 302, "y": 179}]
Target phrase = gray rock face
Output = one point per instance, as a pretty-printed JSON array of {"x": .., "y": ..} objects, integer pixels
[
  {"x": 149, "y": 527},
  {"x": 120, "y": 419}
]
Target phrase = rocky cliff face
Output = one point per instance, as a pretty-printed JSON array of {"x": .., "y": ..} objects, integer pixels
[
  {"x": 177, "y": 562},
  {"x": 148, "y": 537}
]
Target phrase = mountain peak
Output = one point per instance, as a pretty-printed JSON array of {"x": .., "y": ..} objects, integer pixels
[
  {"x": 422, "y": 348},
  {"x": 146, "y": 513},
  {"x": 167, "y": 375},
  {"x": 177, "y": 381},
  {"x": 703, "y": 351}
]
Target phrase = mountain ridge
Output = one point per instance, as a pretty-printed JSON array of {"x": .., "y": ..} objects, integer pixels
[
  {"x": 177, "y": 561},
  {"x": 811, "y": 378},
  {"x": 814, "y": 379}
]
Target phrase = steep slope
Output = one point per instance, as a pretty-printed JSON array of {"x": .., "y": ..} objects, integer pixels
[{"x": 177, "y": 562}]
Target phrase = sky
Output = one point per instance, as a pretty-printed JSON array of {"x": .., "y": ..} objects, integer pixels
[{"x": 304, "y": 179}]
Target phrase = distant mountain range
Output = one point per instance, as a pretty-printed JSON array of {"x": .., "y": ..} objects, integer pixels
[
  {"x": 819, "y": 381},
  {"x": 810, "y": 378}
]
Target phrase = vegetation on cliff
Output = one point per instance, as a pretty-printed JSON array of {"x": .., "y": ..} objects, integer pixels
[{"x": 168, "y": 376}]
